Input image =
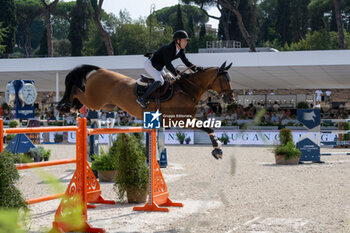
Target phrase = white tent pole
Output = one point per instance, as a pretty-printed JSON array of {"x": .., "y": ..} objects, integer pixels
[{"x": 57, "y": 87}]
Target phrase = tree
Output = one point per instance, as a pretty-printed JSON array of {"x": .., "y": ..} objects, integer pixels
[
  {"x": 248, "y": 11},
  {"x": 138, "y": 32},
  {"x": 335, "y": 7},
  {"x": 9, "y": 21},
  {"x": 104, "y": 34},
  {"x": 234, "y": 7},
  {"x": 79, "y": 24},
  {"x": 299, "y": 18},
  {"x": 43, "y": 44},
  {"x": 61, "y": 18},
  {"x": 27, "y": 12},
  {"x": 2, "y": 36},
  {"x": 266, "y": 22},
  {"x": 339, "y": 20},
  {"x": 179, "y": 22},
  {"x": 168, "y": 16},
  {"x": 48, "y": 7}
]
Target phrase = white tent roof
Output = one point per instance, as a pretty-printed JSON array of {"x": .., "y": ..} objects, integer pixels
[{"x": 264, "y": 70}]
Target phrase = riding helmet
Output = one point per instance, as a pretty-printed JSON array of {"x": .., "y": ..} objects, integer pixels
[{"x": 180, "y": 34}]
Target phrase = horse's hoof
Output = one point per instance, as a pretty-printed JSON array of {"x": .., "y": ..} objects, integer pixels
[{"x": 217, "y": 153}]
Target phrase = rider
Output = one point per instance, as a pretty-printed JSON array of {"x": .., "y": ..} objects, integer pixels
[{"x": 154, "y": 66}]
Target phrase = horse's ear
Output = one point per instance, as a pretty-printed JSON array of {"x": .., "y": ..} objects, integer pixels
[
  {"x": 228, "y": 67},
  {"x": 222, "y": 67}
]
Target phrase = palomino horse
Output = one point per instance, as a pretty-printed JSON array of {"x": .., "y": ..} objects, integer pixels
[{"x": 104, "y": 89}]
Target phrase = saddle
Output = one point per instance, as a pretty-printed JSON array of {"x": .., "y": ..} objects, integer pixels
[{"x": 163, "y": 93}]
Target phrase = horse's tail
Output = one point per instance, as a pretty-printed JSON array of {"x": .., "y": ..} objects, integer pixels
[{"x": 77, "y": 78}]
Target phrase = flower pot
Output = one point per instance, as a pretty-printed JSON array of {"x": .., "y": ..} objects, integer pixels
[
  {"x": 281, "y": 160},
  {"x": 107, "y": 176},
  {"x": 187, "y": 142},
  {"x": 181, "y": 142},
  {"x": 225, "y": 143},
  {"x": 136, "y": 196},
  {"x": 37, "y": 159},
  {"x": 46, "y": 159}
]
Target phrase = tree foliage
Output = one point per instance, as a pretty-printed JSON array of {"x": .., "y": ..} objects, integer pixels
[
  {"x": 27, "y": 12},
  {"x": 9, "y": 21},
  {"x": 79, "y": 25},
  {"x": 168, "y": 15},
  {"x": 2, "y": 36},
  {"x": 282, "y": 24}
]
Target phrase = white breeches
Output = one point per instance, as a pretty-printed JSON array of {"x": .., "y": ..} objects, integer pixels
[{"x": 153, "y": 72}]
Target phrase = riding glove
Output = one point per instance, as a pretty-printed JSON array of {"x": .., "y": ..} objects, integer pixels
[
  {"x": 184, "y": 75},
  {"x": 198, "y": 68}
]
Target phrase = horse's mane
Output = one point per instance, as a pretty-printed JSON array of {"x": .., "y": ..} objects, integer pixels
[
  {"x": 191, "y": 77},
  {"x": 189, "y": 84}
]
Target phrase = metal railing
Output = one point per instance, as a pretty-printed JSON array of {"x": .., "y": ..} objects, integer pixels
[{"x": 223, "y": 44}]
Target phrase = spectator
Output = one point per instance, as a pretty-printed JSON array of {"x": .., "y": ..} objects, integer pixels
[
  {"x": 276, "y": 106},
  {"x": 274, "y": 118}
]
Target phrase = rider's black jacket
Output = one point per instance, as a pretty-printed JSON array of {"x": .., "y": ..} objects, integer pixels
[{"x": 165, "y": 55}]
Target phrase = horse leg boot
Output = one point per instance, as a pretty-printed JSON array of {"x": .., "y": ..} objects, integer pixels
[
  {"x": 142, "y": 100},
  {"x": 217, "y": 152}
]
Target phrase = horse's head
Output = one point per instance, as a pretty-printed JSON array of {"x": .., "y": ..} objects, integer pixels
[{"x": 222, "y": 84}]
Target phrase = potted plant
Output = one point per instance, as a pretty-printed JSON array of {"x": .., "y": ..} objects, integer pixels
[
  {"x": 13, "y": 124},
  {"x": 187, "y": 140},
  {"x": 224, "y": 138},
  {"x": 37, "y": 153},
  {"x": 105, "y": 164},
  {"x": 286, "y": 152},
  {"x": 132, "y": 169},
  {"x": 302, "y": 105},
  {"x": 46, "y": 155},
  {"x": 180, "y": 137}
]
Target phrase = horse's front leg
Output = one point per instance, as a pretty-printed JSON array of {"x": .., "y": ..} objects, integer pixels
[{"x": 217, "y": 152}]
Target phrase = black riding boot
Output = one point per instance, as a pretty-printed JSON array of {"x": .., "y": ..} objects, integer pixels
[{"x": 142, "y": 100}]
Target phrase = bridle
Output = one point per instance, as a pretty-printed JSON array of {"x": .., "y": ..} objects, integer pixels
[{"x": 222, "y": 78}]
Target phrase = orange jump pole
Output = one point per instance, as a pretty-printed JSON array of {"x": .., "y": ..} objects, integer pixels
[
  {"x": 83, "y": 181},
  {"x": 45, "y": 198},
  {"x": 41, "y": 129},
  {"x": 115, "y": 130},
  {"x": 1, "y": 135},
  {"x": 44, "y": 164},
  {"x": 157, "y": 190}
]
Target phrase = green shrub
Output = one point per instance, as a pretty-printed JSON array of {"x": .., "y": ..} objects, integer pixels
[
  {"x": 287, "y": 147},
  {"x": 302, "y": 105},
  {"x": 285, "y": 136},
  {"x": 37, "y": 152},
  {"x": 10, "y": 196},
  {"x": 288, "y": 150},
  {"x": 131, "y": 165},
  {"x": 346, "y": 126},
  {"x": 224, "y": 138},
  {"x": 13, "y": 124},
  {"x": 104, "y": 161},
  {"x": 22, "y": 158},
  {"x": 9, "y": 138},
  {"x": 180, "y": 137}
]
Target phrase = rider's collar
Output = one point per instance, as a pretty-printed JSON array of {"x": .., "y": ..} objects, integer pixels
[{"x": 177, "y": 50}]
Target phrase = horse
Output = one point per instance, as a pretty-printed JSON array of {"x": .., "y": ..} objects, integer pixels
[{"x": 99, "y": 88}]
